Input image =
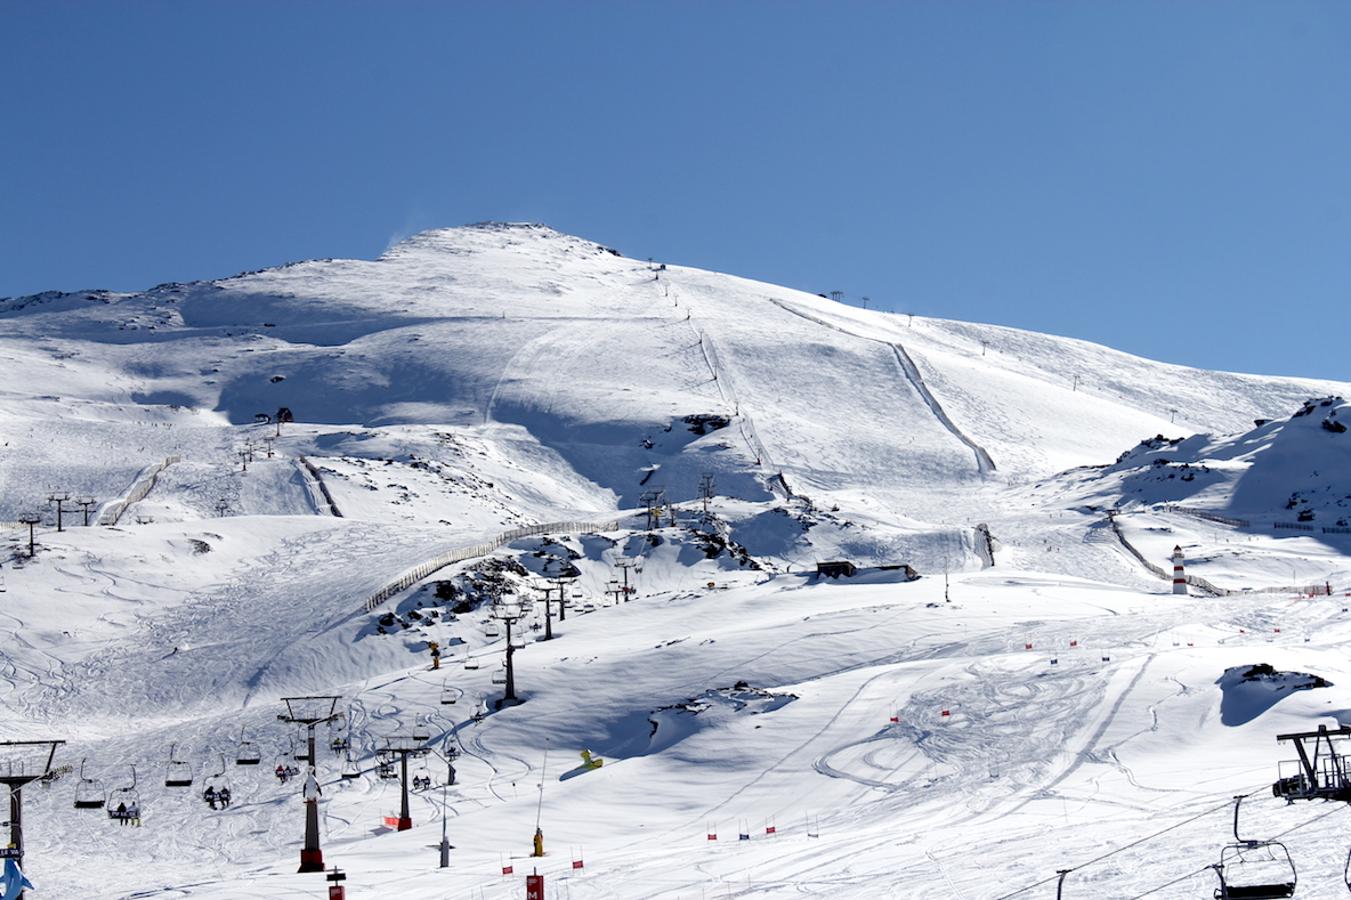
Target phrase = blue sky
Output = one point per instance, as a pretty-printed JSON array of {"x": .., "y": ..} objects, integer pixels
[{"x": 1168, "y": 178}]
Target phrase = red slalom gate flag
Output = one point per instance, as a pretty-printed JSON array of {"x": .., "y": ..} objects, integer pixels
[
  {"x": 947, "y": 712},
  {"x": 1027, "y": 646},
  {"x": 770, "y": 829},
  {"x": 1074, "y": 643},
  {"x": 534, "y": 887},
  {"x": 577, "y": 864},
  {"x": 507, "y": 870}
]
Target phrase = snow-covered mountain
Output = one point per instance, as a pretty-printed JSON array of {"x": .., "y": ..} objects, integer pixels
[{"x": 455, "y": 402}]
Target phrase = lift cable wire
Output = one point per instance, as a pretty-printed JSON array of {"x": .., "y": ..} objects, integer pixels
[
  {"x": 1155, "y": 890},
  {"x": 1135, "y": 843}
]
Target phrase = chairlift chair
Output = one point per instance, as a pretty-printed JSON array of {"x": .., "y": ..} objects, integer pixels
[
  {"x": 500, "y": 674},
  {"x": 247, "y": 754},
  {"x": 300, "y": 746},
  {"x": 124, "y": 803},
  {"x": 89, "y": 793},
  {"x": 421, "y": 731},
  {"x": 216, "y": 790},
  {"x": 449, "y": 694},
  {"x": 518, "y": 640},
  {"x": 350, "y": 769},
  {"x": 470, "y": 663},
  {"x": 177, "y": 773},
  {"x": 1254, "y": 870},
  {"x": 492, "y": 630}
]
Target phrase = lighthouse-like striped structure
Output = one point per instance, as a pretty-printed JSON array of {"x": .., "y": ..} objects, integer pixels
[{"x": 1179, "y": 576}]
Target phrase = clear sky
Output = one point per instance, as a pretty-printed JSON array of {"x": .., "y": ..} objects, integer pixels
[{"x": 1171, "y": 178}]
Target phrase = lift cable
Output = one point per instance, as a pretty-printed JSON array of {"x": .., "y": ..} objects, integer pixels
[
  {"x": 1135, "y": 843},
  {"x": 1155, "y": 890}
]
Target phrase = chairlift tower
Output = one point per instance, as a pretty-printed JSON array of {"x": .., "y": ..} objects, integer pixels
[
  {"x": 222, "y": 507},
  {"x": 451, "y": 755},
  {"x": 653, "y": 500},
  {"x": 706, "y": 490},
  {"x": 508, "y": 616},
  {"x": 31, "y": 520},
  {"x": 548, "y": 609},
  {"x": 403, "y": 746},
  {"x": 311, "y": 711},
  {"x": 561, "y": 582},
  {"x": 22, "y": 762},
  {"x": 85, "y": 503},
  {"x": 58, "y": 499},
  {"x": 624, "y": 564},
  {"x": 1322, "y": 771}
]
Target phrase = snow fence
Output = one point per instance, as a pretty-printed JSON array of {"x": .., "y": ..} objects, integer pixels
[
  {"x": 142, "y": 486},
  {"x": 450, "y": 557}
]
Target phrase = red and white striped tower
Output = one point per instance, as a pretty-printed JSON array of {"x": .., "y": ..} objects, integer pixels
[{"x": 1179, "y": 576}]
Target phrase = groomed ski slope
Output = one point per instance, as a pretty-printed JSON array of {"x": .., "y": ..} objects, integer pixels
[{"x": 476, "y": 380}]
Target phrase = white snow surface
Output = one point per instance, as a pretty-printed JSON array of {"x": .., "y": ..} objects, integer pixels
[{"x": 482, "y": 379}]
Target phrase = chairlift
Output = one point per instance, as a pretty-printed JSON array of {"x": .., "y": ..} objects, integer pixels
[
  {"x": 89, "y": 793},
  {"x": 470, "y": 663},
  {"x": 422, "y": 778},
  {"x": 247, "y": 754},
  {"x": 576, "y": 593},
  {"x": 1254, "y": 870},
  {"x": 500, "y": 674},
  {"x": 177, "y": 773},
  {"x": 339, "y": 744},
  {"x": 350, "y": 769},
  {"x": 449, "y": 694},
  {"x": 300, "y": 749},
  {"x": 216, "y": 791},
  {"x": 384, "y": 766},
  {"x": 518, "y": 640},
  {"x": 124, "y": 804},
  {"x": 492, "y": 629},
  {"x": 285, "y": 770},
  {"x": 421, "y": 731}
]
